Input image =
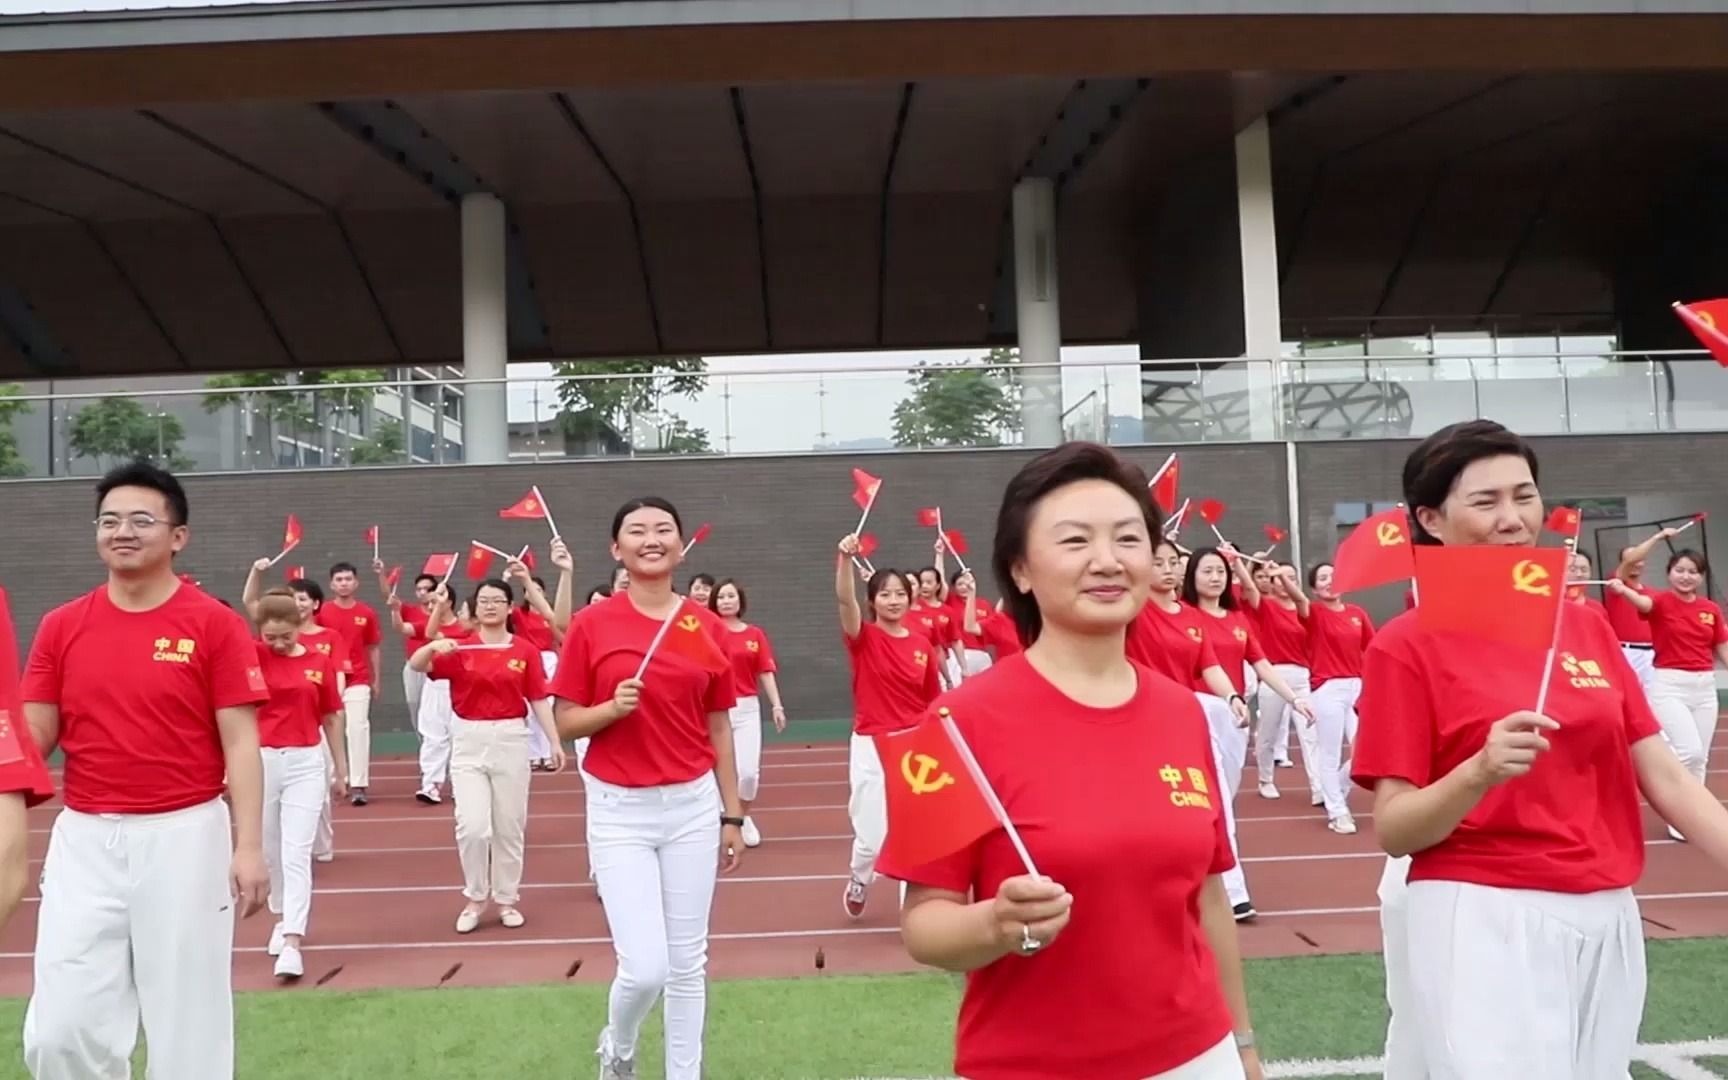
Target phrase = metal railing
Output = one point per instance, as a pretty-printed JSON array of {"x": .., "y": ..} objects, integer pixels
[{"x": 860, "y": 408}]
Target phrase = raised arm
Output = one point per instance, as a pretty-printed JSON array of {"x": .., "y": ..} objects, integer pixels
[
  {"x": 564, "y": 599},
  {"x": 1637, "y": 553},
  {"x": 254, "y": 590},
  {"x": 846, "y": 588},
  {"x": 1644, "y": 604},
  {"x": 1293, "y": 589}
]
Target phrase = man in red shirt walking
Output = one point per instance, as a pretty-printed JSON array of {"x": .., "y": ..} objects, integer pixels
[
  {"x": 357, "y": 624},
  {"x": 150, "y": 689}
]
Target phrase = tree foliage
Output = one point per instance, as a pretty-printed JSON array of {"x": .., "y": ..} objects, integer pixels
[
  {"x": 289, "y": 398},
  {"x": 590, "y": 407},
  {"x": 119, "y": 429},
  {"x": 385, "y": 446},
  {"x": 962, "y": 404},
  {"x": 12, "y": 463}
]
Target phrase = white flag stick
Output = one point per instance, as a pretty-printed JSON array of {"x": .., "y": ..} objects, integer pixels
[
  {"x": 282, "y": 553},
  {"x": 1162, "y": 469},
  {"x": 865, "y": 516},
  {"x": 1553, "y": 644},
  {"x": 987, "y": 791},
  {"x": 483, "y": 645},
  {"x": 493, "y": 550},
  {"x": 450, "y": 570},
  {"x": 376, "y": 533},
  {"x": 658, "y": 635},
  {"x": 1174, "y": 524},
  {"x": 544, "y": 509}
]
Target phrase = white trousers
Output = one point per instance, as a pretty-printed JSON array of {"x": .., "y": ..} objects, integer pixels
[
  {"x": 867, "y": 806},
  {"x": 1229, "y": 749},
  {"x": 1685, "y": 705},
  {"x": 656, "y": 853},
  {"x": 1222, "y": 1062},
  {"x": 1276, "y": 717},
  {"x": 539, "y": 746},
  {"x": 357, "y": 705},
  {"x": 747, "y": 745},
  {"x": 1643, "y": 661},
  {"x": 295, "y": 788},
  {"x": 1403, "y": 1038},
  {"x": 413, "y": 686},
  {"x": 136, "y": 923},
  {"x": 1526, "y": 984},
  {"x": 1334, "y": 707},
  {"x": 324, "y": 841},
  {"x": 433, "y": 723},
  {"x": 977, "y": 660},
  {"x": 489, "y": 780}
]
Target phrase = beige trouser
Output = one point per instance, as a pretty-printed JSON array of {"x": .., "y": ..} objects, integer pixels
[{"x": 489, "y": 783}]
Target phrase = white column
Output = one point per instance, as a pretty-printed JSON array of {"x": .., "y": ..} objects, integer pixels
[
  {"x": 1036, "y": 311},
  {"x": 1262, "y": 323},
  {"x": 485, "y": 330}
]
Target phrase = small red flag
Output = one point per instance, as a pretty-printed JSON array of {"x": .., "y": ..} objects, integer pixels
[
  {"x": 930, "y": 517},
  {"x": 701, "y": 534},
  {"x": 1166, "y": 484},
  {"x": 438, "y": 565},
  {"x": 937, "y": 802},
  {"x": 956, "y": 541},
  {"x": 1276, "y": 535},
  {"x": 687, "y": 637},
  {"x": 291, "y": 534},
  {"x": 1564, "y": 520},
  {"x": 1212, "y": 511},
  {"x": 372, "y": 535},
  {"x": 866, "y": 546},
  {"x": 527, "y": 508},
  {"x": 528, "y": 559},
  {"x": 1375, "y": 553},
  {"x": 296, "y": 573},
  {"x": 479, "y": 562},
  {"x": 394, "y": 578},
  {"x": 864, "y": 488},
  {"x": 1521, "y": 587},
  {"x": 1708, "y": 321}
]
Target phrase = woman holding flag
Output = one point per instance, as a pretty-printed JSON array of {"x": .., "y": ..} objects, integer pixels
[
  {"x": 1337, "y": 635},
  {"x": 1523, "y": 823},
  {"x": 1116, "y": 955},
  {"x": 645, "y": 678},
  {"x": 752, "y": 666}
]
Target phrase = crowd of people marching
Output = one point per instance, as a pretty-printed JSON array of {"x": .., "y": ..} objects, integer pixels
[{"x": 1112, "y": 697}]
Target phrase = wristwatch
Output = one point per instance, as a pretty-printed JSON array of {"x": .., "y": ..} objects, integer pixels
[
  {"x": 1245, "y": 1042},
  {"x": 1235, "y": 698},
  {"x": 738, "y": 821}
]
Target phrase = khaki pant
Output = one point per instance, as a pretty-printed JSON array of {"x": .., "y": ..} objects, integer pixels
[{"x": 489, "y": 782}]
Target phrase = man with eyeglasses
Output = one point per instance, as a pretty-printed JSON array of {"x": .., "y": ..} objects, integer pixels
[{"x": 149, "y": 688}]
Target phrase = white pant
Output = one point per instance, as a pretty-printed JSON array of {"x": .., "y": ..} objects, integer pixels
[
  {"x": 1403, "y": 1037},
  {"x": 489, "y": 780},
  {"x": 539, "y": 746},
  {"x": 413, "y": 686},
  {"x": 1222, "y": 1062},
  {"x": 1526, "y": 984},
  {"x": 867, "y": 806},
  {"x": 747, "y": 745},
  {"x": 295, "y": 792},
  {"x": 1229, "y": 748},
  {"x": 1272, "y": 733},
  {"x": 1643, "y": 661},
  {"x": 324, "y": 841},
  {"x": 1334, "y": 707},
  {"x": 656, "y": 852},
  {"x": 1685, "y": 704},
  {"x": 357, "y": 704},
  {"x": 433, "y": 723},
  {"x": 137, "y": 922},
  {"x": 977, "y": 660}
]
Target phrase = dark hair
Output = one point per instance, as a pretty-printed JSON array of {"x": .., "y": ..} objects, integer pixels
[
  {"x": 142, "y": 474},
  {"x": 879, "y": 581},
  {"x": 1314, "y": 572},
  {"x": 928, "y": 570},
  {"x": 1432, "y": 468},
  {"x": 714, "y": 597},
  {"x": 344, "y": 568},
  {"x": 1697, "y": 558},
  {"x": 703, "y": 579},
  {"x": 603, "y": 590},
  {"x": 509, "y": 600},
  {"x": 645, "y": 502},
  {"x": 1053, "y": 469},
  {"x": 536, "y": 579},
  {"x": 1191, "y": 588},
  {"x": 310, "y": 588},
  {"x": 426, "y": 577}
]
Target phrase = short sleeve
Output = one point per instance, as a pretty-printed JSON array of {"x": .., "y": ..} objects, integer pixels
[
  {"x": 1253, "y": 650},
  {"x": 720, "y": 695},
  {"x": 234, "y": 675},
  {"x": 444, "y": 665},
  {"x": 535, "y": 688},
  {"x": 329, "y": 694},
  {"x": 1657, "y": 600},
  {"x": 766, "y": 664},
  {"x": 415, "y": 620},
  {"x": 41, "y": 680},
  {"x": 1208, "y": 657},
  {"x": 1720, "y": 637},
  {"x": 1640, "y": 720},
  {"x": 373, "y": 634},
  {"x": 1223, "y": 856},
  {"x": 856, "y": 646},
  {"x": 28, "y": 775},
  {"x": 574, "y": 681},
  {"x": 1395, "y": 736}
]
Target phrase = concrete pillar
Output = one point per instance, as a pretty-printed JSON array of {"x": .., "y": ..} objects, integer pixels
[
  {"x": 485, "y": 334},
  {"x": 1037, "y": 312},
  {"x": 1262, "y": 322}
]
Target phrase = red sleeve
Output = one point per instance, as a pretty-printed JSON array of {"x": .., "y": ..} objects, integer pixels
[
  {"x": 1721, "y": 637},
  {"x": 855, "y": 643},
  {"x": 1396, "y": 735},
  {"x": 933, "y": 678},
  {"x": 574, "y": 680},
  {"x": 765, "y": 659},
  {"x": 329, "y": 697},
  {"x": 234, "y": 674},
  {"x": 373, "y": 634},
  {"x": 41, "y": 680},
  {"x": 999, "y": 630},
  {"x": 443, "y": 666},
  {"x": 27, "y": 776},
  {"x": 1223, "y": 858},
  {"x": 1640, "y": 720},
  {"x": 1657, "y": 597},
  {"x": 1255, "y": 653},
  {"x": 720, "y": 696},
  {"x": 1367, "y": 628},
  {"x": 536, "y": 688},
  {"x": 1208, "y": 658}
]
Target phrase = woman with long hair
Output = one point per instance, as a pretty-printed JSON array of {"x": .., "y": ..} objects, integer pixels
[
  {"x": 1122, "y": 959},
  {"x": 1524, "y": 829},
  {"x": 895, "y": 675},
  {"x": 305, "y": 705},
  {"x": 661, "y": 782},
  {"x": 969, "y": 613},
  {"x": 1338, "y": 633},
  {"x": 753, "y": 665},
  {"x": 494, "y": 676},
  {"x": 1285, "y": 642}
]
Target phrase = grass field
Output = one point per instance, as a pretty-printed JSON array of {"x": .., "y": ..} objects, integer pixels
[{"x": 832, "y": 1028}]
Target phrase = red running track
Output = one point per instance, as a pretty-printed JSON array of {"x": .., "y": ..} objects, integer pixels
[{"x": 383, "y": 911}]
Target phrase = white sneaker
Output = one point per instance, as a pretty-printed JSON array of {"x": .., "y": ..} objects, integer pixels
[
  {"x": 288, "y": 965},
  {"x": 1268, "y": 791},
  {"x": 276, "y": 941},
  {"x": 429, "y": 795},
  {"x": 752, "y": 837},
  {"x": 856, "y": 894},
  {"x": 1343, "y": 825},
  {"x": 1316, "y": 799},
  {"x": 324, "y": 856}
]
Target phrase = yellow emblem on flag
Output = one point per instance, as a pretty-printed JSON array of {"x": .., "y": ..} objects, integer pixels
[
  {"x": 1529, "y": 577},
  {"x": 923, "y": 773},
  {"x": 1389, "y": 534},
  {"x": 690, "y": 624}
]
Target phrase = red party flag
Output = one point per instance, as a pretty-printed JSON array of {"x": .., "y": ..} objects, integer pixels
[
  {"x": 372, "y": 535},
  {"x": 687, "y": 637},
  {"x": 1565, "y": 520},
  {"x": 930, "y": 517},
  {"x": 1212, "y": 511},
  {"x": 956, "y": 541},
  {"x": 528, "y": 559},
  {"x": 393, "y": 579},
  {"x": 296, "y": 573},
  {"x": 702, "y": 532},
  {"x": 1375, "y": 553},
  {"x": 527, "y": 508},
  {"x": 1166, "y": 484},
  {"x": 1708, "y": 321},
  {"x": 1276, "y": 535},
  {"x": 291, "y": 534},
  {"x": 866, "y": 546},
  {"x": 1520, "y": 586},
  {"x": 938, "y": 800},
  {"x": 864, "y": 488},
  {"x": 439, "y": 566},
  {"x": 479, "y": 562}
]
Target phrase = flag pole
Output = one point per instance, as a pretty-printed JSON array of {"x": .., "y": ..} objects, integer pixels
[
  {"x": 283, "y": 552},
  {"x": 658, "y": 635},
  {"x": 544, "y": 509},
  {"x": 1554, "y": 642},
  {"x": 493, "y": 550},
  {"x": 868, "y": 503},
  {"x": 984, "y": 788},
  {"x": 375, "y": 556}
]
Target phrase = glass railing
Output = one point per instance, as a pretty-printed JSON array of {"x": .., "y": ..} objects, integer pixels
[{"x": 860, "y": 408}]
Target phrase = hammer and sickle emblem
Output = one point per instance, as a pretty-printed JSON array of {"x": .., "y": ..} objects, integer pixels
[
  {"x": 1389, "y": 534},
  {"x": 1706, "y": 318},
  {"x": 690, "y": 624},
  {"x": 923, "y": 773},
  {"x": 1528, "y": 577}
]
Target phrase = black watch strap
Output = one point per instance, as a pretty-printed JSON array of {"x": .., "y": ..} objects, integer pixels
[{"x": 738, "y": 821}]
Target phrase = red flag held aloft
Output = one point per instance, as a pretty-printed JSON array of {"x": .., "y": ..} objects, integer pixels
[
  {"x": 1521, "y": 587},
  {"x": 866, "y": 546},
  {"x": 956, "y": 541},
  {"x": 1276, "y": 535},
  {"x": 479, "y": 562},
  {"x": 528, "y": 559},
  {"x": 1212, "y": 511},
  {"x": 937, "y": 804},
  {"x": 1377, "y": 552},
  {"x": 1708, "y": 321},
  {"x": 438, "y": 565},
  {"x": 702, "y": 532},
  {"x": 291, "y": 534},
  {"x": 1564, "y": 520},
  {"x": 372, "y": 535},
  {"x": 527, "y": 508},
  {"x": 864, "y": 488},
  {"x": 930, "y": 517},
  {"x": 689, "y": 638},
  {"x": 393, "y": 579},
  {"x": 1167, "y": 484},
  {"x": 296, "y": 573}
]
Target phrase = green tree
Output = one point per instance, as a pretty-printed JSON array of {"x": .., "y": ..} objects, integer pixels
[
  {"x": 12, "y": 463},
  {"x": 119, "y": 429},
  {"x": 592, "y": 410},
  {"x": 674, "y": 435},
  {"x": 385, "y": 446},
  {"x": 962, "y": 404},
  {"x": 300, "y": 404}
]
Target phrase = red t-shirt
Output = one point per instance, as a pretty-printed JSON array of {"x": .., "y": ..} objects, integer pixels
[
  {"x": 1572, "y": 823},
  {"x": 1685, "y": 633},
  {"x": 752, "y": 657},
  {"x": 957, "y": 612},
  {"x": 1281, "y": 632},
  {"x": 533, "y": 628},
  {"x": 358, "y": 626},
  {"x": 138, "y": 694},
  {"x": 414, "y": 617},
  {"x": 302, "y": 693},
  {"x": 1335, "y": 642},
  {"x": 893, "y": 678},
  {"x": 1234, "y": 642},
  {"x": 493, "y": 684},
  {"x": 21, "y": 767},
  {"x": 1130, "y": 989},
  {"x": 1628, "y": 623},
  {"x": 1174, "y": 645},
  {"x": 665, "y": 740},
  {"x": 1001, "y": 634},
  {"x": 326, "y": 643},
  {"x": 936, "y": 622}
]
